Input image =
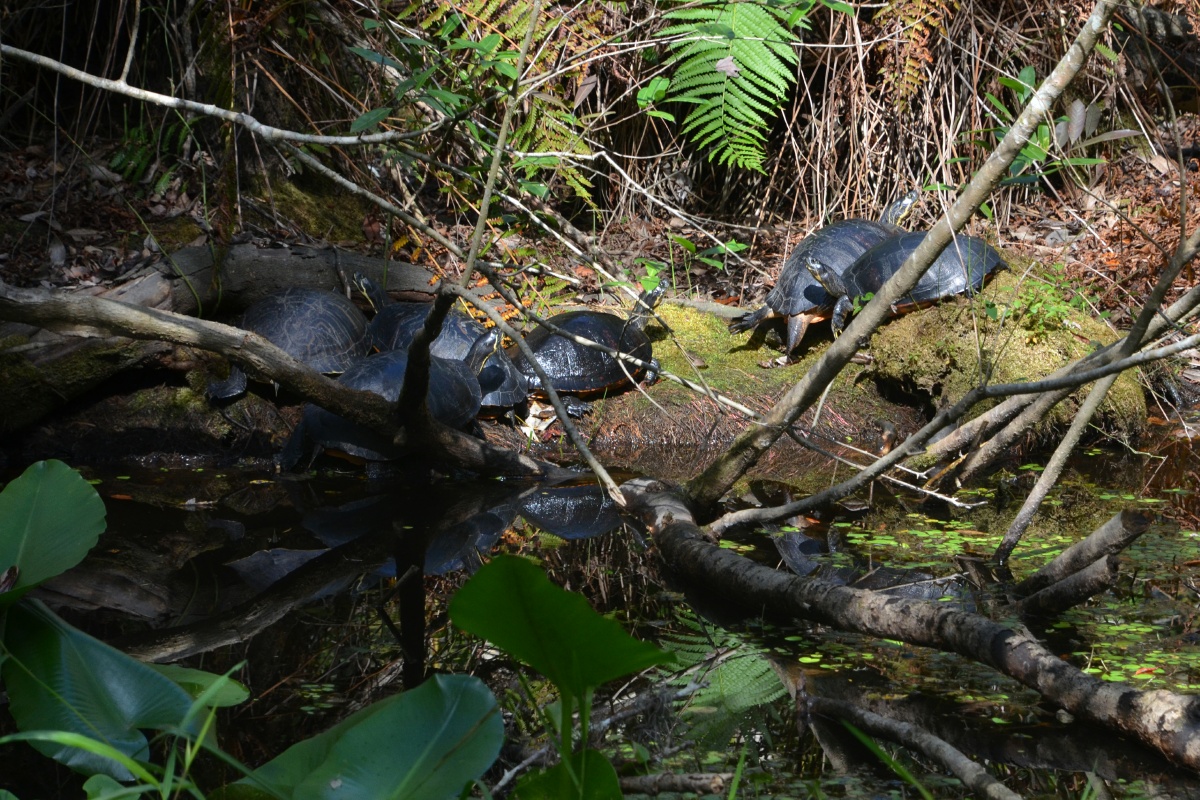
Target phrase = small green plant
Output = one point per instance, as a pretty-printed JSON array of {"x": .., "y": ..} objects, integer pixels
[
  {"x": 1045, "y": 304},
  {"x": 511, "y": 603},
  {"x": 142, "y": 149},
  {"x": 1058, "y": 147}
]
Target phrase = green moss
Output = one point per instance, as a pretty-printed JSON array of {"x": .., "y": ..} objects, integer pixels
[
  {"x": 320, "y": 207},
  {"x": 945, "y": 350}
]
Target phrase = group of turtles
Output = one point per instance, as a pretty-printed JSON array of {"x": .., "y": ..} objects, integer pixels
[
  {"x": 469, "y": 372},
  {"x": 853, "y": 258}
]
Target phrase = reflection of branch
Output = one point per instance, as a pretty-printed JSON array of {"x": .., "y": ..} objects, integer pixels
[
  {"x": 358, "y": 557},
  {"x": 973, "y": 776},
  {"x": 50, "y": 309}
]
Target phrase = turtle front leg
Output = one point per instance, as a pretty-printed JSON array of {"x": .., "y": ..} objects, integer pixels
[{"x": 840, "y": 312}]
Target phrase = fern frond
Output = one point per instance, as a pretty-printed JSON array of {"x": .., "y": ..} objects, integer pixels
[
  {"x": 737, "y": 680},
  {"x": 912, "y": 24},
  {"x": 732, "y": 107}
]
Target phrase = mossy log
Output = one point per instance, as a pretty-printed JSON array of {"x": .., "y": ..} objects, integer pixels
[{"x": 42, "y": 371}]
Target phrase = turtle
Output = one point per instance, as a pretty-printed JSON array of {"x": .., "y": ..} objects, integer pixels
[
  {"x": 453, "y": 399},
  {"x": 321, "y": 328},
  {"x": 395, "y": 325},
  {"x": 581, "y": 371},
  {"x": 962, "y": 268},
  {"x": 797, "y": 296}
]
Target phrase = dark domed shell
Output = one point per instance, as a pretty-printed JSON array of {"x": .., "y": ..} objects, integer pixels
[
  {"x": 396, "y": 325},
  {"x": 320, "y": 328},
  {"x": 838, "y": 245},
  {"x": 961, "y": 268},
  {"x": 453, "y": 399},
  {"x": 576, "y": 369}
]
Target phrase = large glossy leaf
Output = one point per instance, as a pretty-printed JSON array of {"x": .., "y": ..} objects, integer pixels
[
  {"x": 49, "y": 518},
  {"x": 511, "y": 603},
  {"x": 429, "y": 742},
  {"x": 61, "y": 679},
  {"x": 196, "y": 682},
  {"x": 594, "y": 779}
]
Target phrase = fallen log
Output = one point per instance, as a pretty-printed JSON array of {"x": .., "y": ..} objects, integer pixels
[{"x": 1165, "y": 721}]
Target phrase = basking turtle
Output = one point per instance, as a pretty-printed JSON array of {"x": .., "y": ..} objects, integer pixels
[
  {"x": 320, "y": 328},
  {"x": 453, "y": 399},
  {"x": 797, "y": 295},
  {"x": 395, "y": 325},
  {"x": 963, "y": 267},
  {"x": 581, "y": 371}
]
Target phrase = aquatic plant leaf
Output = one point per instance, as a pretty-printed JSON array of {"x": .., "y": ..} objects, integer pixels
[
  {"x": 511, "y": 603},
  {"x": 425, "y": 743},
  {"x": 597, "y": 780},
  {"x": 60, "y": 679},
  {"x": 49, "y": 518}
]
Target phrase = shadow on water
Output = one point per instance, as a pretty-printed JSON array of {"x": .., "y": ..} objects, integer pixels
[{"x": 333, "y": 592}]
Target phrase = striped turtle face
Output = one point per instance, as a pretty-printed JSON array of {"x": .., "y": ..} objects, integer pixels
[{"x": 825, "y": 276}]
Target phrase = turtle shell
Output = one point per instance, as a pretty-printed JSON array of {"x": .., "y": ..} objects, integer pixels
[
  {"x": 453, "y": 399},
  {"x": 579, "y": 370},
  {"x": 962, "y": 268},
  {"x": 397, "y": 324},
  {"x": 320, "y": 328},
  {"x": 838, "y": 246}
]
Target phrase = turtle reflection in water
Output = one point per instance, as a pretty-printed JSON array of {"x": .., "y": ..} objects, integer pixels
[{"x": 577, "y": 511}]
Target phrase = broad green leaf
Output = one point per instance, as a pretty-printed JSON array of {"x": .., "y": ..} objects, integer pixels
[
  {"x": 594, "y": 779},
  {"x": 426, "y": 743},
  {"x": 834, "y": 5},
  {"x": 101, "y": 786},
  {"x": 196, "y": 682},
  {"x": 60, "y": 679},
  {"x": 511, "y": 603},
  {"x": 370, "y": 119},
  {"x": 49, "y": 518}
]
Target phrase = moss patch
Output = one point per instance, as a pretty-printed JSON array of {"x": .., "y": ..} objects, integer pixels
[{"x": 945, "y": 350}]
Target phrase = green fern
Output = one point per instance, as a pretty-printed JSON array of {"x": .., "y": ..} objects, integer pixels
[
  {"x": 736, "y": 65},
  {"x": 739, "y": 682},
  {"x": 548, "y": 127}
]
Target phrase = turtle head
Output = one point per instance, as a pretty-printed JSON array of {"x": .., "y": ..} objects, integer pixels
[
  {"x": 897, "y": 211},
  {"x": 646, "y": 302},
  {"x": 482, "y": 349},
  {"x": 371, "y": 290},
  {"x": 826, "y": 276}
]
